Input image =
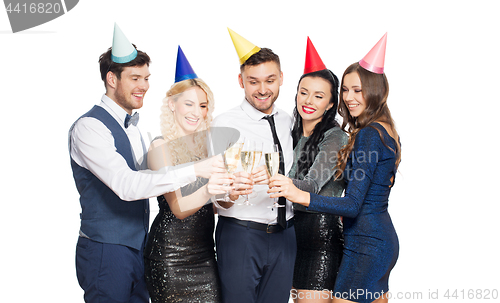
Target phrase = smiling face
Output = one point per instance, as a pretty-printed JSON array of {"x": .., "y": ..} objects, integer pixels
[
  {"x": 262, "y": 85},
  {"x": 352, "y": 94},
  {"x": 313, "y": 99},
  {"x": 128, "y": 91},
  {"x": 190, "y": 108}
]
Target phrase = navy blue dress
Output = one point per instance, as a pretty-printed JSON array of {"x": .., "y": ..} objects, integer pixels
[{"x": 371, "y": 244}]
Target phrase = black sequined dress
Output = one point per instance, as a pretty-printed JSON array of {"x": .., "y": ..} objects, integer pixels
[
  {"x": 179, "y": 256},
  {"x": 319, "y": 235}
]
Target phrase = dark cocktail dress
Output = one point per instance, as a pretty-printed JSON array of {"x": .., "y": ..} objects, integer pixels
[
  {"x": 319, "y": 235},
  {"x": 179, "y": 256},
  {"x": 371, "y": 245}
]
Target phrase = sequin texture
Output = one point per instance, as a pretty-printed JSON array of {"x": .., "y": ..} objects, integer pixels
[
  {"x": 319, "y": 250},
  {"x": 371, "y": 244},
  {"x": 319, "y": 235},
  {"x": 179, "y": 257}
]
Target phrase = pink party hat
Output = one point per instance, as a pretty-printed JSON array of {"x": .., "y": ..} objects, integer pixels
[
  {"x": 313, "y": 60},
  {"x": 374, "y": 60}
]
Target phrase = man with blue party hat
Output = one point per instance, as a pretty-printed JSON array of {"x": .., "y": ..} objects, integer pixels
[{"x": 108, "y": 161}]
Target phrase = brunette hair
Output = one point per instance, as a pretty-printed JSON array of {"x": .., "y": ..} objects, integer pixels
[
  {"x": 311, "y": 148},
  {"x": 375, "y": 90},
  {"x": 262, "y": 56},
  {"x": 106, "y": 64}
]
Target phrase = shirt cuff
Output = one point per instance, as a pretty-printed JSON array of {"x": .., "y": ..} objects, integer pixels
[
  {"x": 184, "y": 173},
  {"x": 214, "y": 201}
]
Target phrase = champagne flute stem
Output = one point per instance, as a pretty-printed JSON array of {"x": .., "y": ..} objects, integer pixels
[{"x": 226, "y": 196}]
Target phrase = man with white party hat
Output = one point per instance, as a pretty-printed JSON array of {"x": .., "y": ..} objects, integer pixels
[
  {"x": 108, "y": 162},
  {"x": 256, "y": 244}
]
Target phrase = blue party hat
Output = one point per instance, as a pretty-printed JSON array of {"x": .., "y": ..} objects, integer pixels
[
  {"x": 122, "y": 51},
  {"x": 183, "y": 70}
]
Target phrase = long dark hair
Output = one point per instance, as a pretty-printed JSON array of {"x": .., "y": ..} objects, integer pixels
[
  {"x": 311, "y": 149},
  {"x": 375, "y": 90}
]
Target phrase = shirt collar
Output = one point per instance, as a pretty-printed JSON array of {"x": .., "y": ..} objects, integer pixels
[
  {"x": 254, "y": 113},
  {"x": 115, "y": 109}
]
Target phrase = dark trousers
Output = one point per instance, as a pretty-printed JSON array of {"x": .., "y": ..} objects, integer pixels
[
  {"x": 254, "y": 266},
  {"x": 110, "y": 273}
]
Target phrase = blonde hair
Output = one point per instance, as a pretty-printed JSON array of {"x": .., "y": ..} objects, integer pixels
[{"x": 179, "y": 150}]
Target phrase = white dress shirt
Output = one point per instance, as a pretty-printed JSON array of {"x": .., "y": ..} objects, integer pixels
[
  {"x": 251, "y": 125},
  {"x": 93, "y": 148}
]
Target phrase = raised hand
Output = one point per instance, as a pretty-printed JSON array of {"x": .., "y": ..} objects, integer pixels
[
  {"x": 220, "y": 183},
  {"x": 205, "y": 168},
  {"x": 243, "y": 185},
  {"x": 281, "y": 186},
  {"x": 260, "y": 175}
]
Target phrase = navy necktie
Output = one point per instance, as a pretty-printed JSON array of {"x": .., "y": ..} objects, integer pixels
[
  {"x": 281, "y": 200},
  {"x": 134, "y": 119}
]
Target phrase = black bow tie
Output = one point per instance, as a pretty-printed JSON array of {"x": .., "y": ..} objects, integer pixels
[{"x": 134, "y": 119}]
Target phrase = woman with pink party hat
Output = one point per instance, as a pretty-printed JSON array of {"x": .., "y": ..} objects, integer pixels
[{"x": 368, "y": 163}]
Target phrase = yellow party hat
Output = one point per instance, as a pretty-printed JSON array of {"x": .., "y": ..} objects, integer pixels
[{"x": 244, "y": 48}]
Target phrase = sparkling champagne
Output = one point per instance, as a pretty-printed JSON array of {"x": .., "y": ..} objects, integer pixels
[
  {"x": 247, "y": 160},
  {"x": 272, "y": 163},
  {"x": 257, "y": 155},
  {"x": 232, "y": 156}
]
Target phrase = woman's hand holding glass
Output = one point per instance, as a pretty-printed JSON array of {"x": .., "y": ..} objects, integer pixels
[
  {"x": 230, "y": 158},
  {"x": 250, "y": 154},
  {"x": 220, "y": 181},
  {"x": 260, "y": 175},
  {"x": 206, "y": 167},
  {"x": 281, "y": 186},
  {"x": 243, "y": 185}
]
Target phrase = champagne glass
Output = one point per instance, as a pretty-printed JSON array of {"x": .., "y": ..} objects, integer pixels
[
  {"x": 247, "y": 161},
  {"x": 231, "y": 158},
  {"x": 272, "y": 159},
  {"x": 257, "y": 153},
  {"x": 257, "y": 156}
]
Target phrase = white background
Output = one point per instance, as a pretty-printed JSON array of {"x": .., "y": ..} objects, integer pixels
[{"x": 442, "y": 63}]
